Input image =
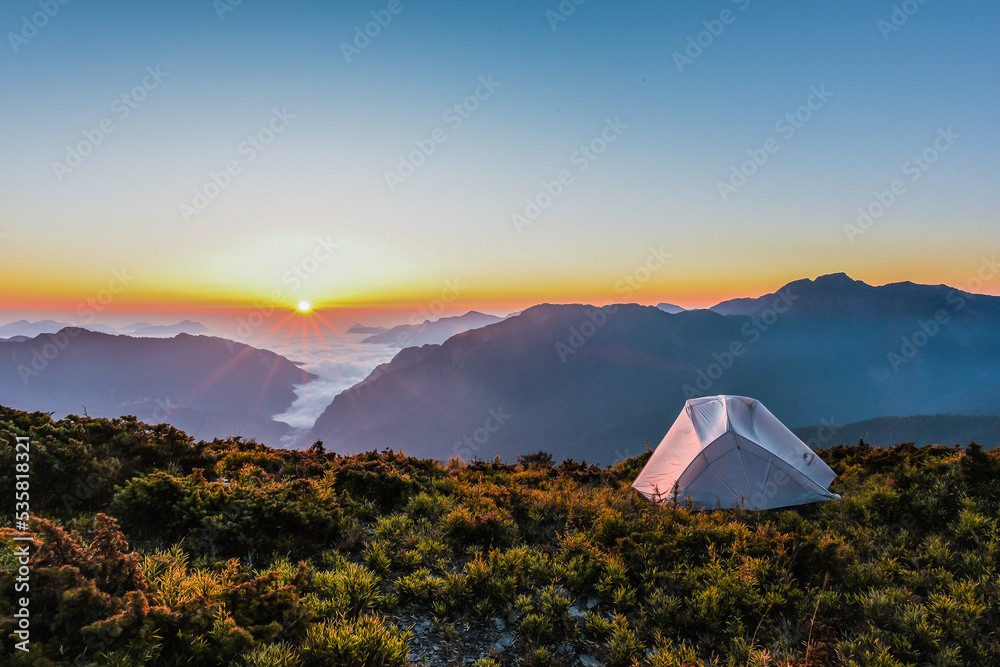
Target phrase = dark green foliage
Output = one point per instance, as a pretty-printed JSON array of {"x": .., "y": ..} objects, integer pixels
[
  {"x": 387, "y": 479},
  {"x": 81, "y": 459},
  {"x": 253, "y": 556},
  {"x": 245, "y": 516},
  {"x": 86, "y": 584},
  {"x": 489, "y": 528},
  {"x": 539, "y": 459}
]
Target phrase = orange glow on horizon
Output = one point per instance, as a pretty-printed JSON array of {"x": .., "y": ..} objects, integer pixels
[{"x": 422, "y": 303}]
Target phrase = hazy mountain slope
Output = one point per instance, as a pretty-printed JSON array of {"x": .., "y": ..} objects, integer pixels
[
  {"x": 426, "y": 400},
  {"x": 408, "y": 335},
  {"x": 207, "y": 386},
  {"x": 920, "y": 430}
]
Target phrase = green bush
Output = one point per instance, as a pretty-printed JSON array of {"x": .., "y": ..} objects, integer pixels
[
  {"x": 272, "y": 655},
  {"x": 420, "y": 586},
  {"x": 364, "y": 642},
  {"x": 228, "y": 520},
  {"x": 624, "y": 645},
  {"x": 493, "y": 528},
  {"x": 354, "y": 589}
]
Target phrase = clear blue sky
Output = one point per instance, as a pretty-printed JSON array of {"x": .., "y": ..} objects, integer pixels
[{"x": 655, "y": 186}]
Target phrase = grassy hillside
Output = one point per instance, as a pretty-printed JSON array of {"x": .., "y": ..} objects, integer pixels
[{"x": 153, "y": 549}]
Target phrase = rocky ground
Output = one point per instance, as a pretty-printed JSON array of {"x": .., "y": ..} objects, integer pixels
[{"x": 436, "y": 643}]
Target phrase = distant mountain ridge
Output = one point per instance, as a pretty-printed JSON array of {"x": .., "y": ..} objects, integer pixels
[
  {"x": 146, "y": 329},
  {"x": 920, "y": 430},
  {"x": 32, "y": 329},
  {"x": 207, "y": 386},
  {"x": 364, "y": 329},
  {"x": 595, "y": 383},
  {"x": 432, "y": 332}
]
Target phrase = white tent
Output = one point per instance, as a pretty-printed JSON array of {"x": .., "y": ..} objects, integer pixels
[{"x": 730, "y": 451}]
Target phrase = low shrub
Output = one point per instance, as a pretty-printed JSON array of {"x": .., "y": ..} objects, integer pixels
[{"x": 369, "y": 641}]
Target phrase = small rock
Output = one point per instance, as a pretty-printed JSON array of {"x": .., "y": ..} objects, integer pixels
[
  {"x": 592, "y": 602},
  {"x": 506, "y": 640},
  {"x": 565, "y": 648},
  {"x": 501, "y": 626},
  {"x": 577, "y": 613},
  {"x": 498, "y": 648},
  {"x": 589, "y": 661}
]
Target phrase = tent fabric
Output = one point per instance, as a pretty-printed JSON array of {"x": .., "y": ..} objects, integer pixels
[{"x": 730, "y": 451}]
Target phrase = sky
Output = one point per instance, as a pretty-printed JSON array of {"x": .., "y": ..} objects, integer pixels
[{"x": 196, "y": 157}]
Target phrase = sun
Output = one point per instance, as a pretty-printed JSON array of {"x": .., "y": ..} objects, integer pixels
[{"x": 304, "y": 307}]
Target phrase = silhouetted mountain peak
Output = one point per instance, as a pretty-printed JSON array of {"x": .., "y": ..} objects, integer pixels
[
  {"x": 838, "y": 296},
  {"x": 838, "y": 281},
  {"x": 72, "y": 332}
]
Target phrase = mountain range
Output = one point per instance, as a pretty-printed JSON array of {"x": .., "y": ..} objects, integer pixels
[
  {"x": 583, "y": 382},
  {"x": 596, "y": 383},
  {"x": 209, "y": 387},
  {"x": 26, "y": 329}
]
